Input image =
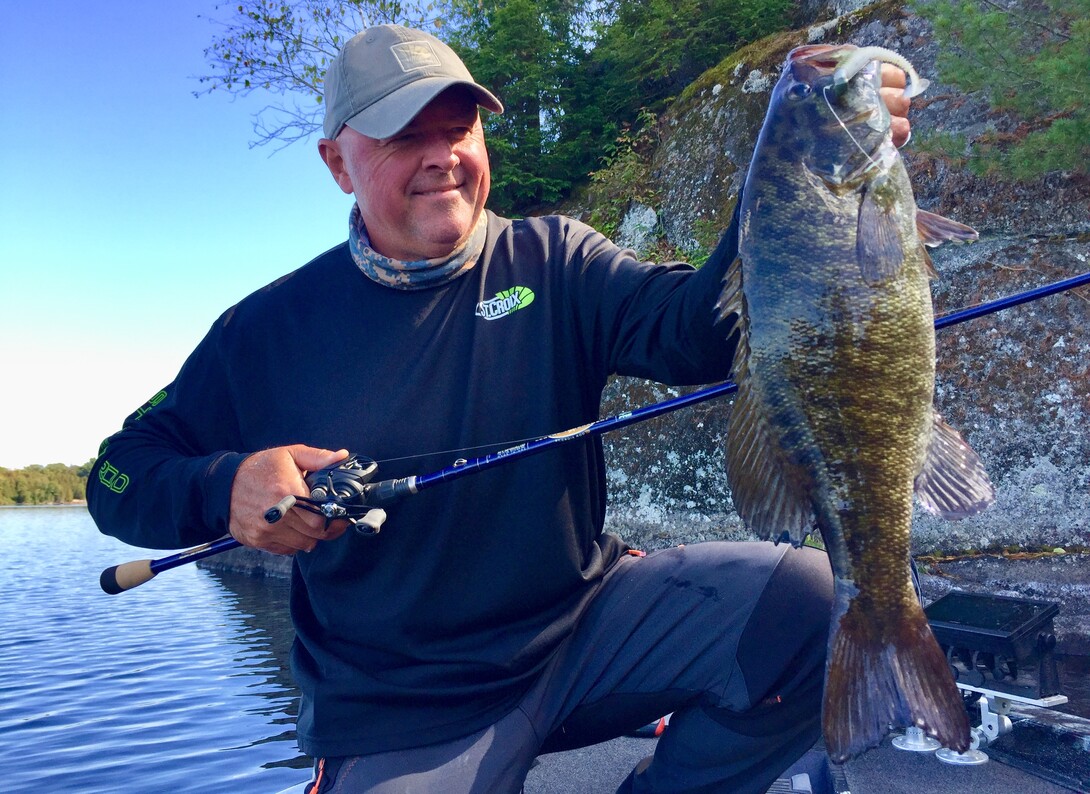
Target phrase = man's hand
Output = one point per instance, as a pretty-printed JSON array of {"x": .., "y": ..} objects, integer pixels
[
  {"x": 893, "y": 94},
  {"x": 264, "y": 479}
]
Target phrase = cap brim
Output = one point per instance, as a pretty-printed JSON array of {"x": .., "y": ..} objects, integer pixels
[{"x": 391, "y": 114}]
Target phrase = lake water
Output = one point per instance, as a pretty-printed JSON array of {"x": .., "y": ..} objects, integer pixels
[{"x": 180, "y": 685}]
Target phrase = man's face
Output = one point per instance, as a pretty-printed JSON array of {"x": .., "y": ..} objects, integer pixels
[{"x": 421, "y": 191}]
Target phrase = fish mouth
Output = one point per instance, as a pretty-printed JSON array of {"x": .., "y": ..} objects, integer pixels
[
  {"x": 812, "y": 62},
  {"x": 821, "y": 54},
  {"x": 819, "y": 68}
]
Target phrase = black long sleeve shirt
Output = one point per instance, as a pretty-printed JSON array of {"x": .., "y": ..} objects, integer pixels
[{"x": 435, "y": 627}]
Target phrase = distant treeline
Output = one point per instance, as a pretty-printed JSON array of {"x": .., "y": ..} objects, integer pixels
[{"x": 44, "y": 485}]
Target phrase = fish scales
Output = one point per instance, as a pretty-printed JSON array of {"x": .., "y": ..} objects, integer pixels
[{"x": 834, "y": 427}]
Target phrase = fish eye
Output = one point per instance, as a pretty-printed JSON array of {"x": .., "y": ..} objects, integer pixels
[{"x": 799, "y": 91}]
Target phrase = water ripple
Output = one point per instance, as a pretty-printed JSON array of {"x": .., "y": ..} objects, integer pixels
[{"x": 181, "y": 685}]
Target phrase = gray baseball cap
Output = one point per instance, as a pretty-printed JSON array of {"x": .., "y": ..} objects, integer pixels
[{"x": 387, "y": 74}]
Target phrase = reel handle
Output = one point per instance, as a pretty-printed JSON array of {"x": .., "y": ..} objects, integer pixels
[{"x": 277, "y": 511}]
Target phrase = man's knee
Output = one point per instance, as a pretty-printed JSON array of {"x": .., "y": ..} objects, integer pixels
[
  {"x": 805, "y": 575},
  {"x": 782, "y": 648}
]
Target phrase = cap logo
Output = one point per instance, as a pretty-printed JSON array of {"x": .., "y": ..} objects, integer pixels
[{"x": 413, "y": 55}]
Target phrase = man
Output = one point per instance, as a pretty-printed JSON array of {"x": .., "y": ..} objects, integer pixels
[{"x": 492, "y": 619}]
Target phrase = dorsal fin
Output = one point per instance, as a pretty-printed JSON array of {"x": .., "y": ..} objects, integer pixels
[
  {"x": 731, "y": 298},
  {"x": 768, "y": 492}
]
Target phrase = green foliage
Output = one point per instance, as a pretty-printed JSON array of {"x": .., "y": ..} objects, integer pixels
[
  {"x": 572, "y": 74},
  {"x": 39, "y": 485},
  {"x": 707, "y": 233},
  {"x": 648, "y": 51},
  {"x": 1030, "y": 59},
  {"x": 944, "y": 145},
  {"x": 522, "y": 50},
  {"x": 625, "y": 179},
  {"x": 625, "y": 175},
  {"x": 575, "y": 76},
  {"x": 284, "y": 48}
]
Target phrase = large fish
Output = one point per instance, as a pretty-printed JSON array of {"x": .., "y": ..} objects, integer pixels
[{"x": 833, "y": 426}]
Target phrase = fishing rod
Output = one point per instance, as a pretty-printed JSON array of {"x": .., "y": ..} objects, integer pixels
[
  {"x": 345, "y": 491},
  {"x": 360, "y": 501},
  {"x": 971, "y": 313}
]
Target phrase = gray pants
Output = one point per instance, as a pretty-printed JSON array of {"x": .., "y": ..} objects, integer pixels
[{"x": 729, "y": 637}]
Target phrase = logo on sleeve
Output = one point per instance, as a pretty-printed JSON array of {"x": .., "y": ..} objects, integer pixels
[{"x": 505, "y": 302}]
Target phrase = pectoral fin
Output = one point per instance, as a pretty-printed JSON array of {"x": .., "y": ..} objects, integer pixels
[
  {"x": 953, "y": 483},
  {"x": 935, "y": 230},
  {"x": 928, "y": 265},
  {"x": 878, "y": 248}
]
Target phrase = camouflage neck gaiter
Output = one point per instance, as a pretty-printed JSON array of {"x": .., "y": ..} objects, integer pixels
[{"x": 412, "y": 275}]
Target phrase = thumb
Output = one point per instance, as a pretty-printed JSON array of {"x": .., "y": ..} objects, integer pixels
[{"x": 314, "y": 458}]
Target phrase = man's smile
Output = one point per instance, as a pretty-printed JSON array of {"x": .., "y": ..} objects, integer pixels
[{"x": 437, "y": 190}]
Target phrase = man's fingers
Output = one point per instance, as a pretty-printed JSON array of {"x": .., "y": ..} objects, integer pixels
[
  {"x": 288, "y": 536},
  {"x": 304, "y": 535},
  {"x": 262, "y": 481},
  {"x": 296, "y": 540},
  {"x": 314, "y": 458},
  {"x": 893, "y": 76},
  {"x": 896, "y": 101},
  {"x": 281, "y": 550},
  {"x": 892, "y": 92},
  {"x": 900, "y": 131},
  {"x": 314, "y": 526}
]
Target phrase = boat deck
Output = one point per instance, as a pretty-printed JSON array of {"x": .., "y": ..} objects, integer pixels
[{"x": 1045, "y": 753}]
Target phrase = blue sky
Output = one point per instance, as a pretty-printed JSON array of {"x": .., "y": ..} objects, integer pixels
[{"x": 131, "y": 213}]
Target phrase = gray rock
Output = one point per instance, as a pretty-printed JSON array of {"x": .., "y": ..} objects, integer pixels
[
  {"x": 638, "y": 228},
  {"x": 1016, "y": 384}
]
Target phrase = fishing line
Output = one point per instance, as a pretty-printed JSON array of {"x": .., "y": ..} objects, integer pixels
[
  {"x": 494, "y": 445},
  {"x": 843, "y": 126}
]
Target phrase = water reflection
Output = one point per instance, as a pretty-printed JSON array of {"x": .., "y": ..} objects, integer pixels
[{"x": 265, "y": 635}]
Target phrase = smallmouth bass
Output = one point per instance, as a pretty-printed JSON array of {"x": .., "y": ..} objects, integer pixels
[{"x": 833, "y": 425}]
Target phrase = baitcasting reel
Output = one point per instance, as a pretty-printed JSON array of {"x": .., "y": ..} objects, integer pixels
[{"x": 344, "y": 491}]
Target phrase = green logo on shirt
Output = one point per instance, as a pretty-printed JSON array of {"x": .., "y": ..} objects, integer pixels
[
  {"x": 113, "y": 479},
  {"x": 505, "y": 302}
]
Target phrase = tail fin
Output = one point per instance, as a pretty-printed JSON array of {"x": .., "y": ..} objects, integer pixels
[{"x": 899, "y": 677}]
